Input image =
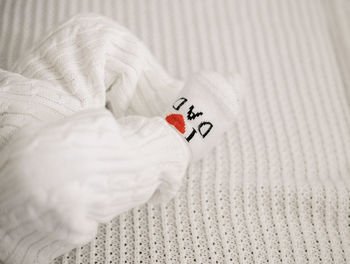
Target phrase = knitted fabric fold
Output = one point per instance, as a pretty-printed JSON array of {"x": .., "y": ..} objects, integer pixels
[
  {"x": 75, "y": 173},
  {"x": 81, "y": 142},
  {"x": 68, "y": 163}
]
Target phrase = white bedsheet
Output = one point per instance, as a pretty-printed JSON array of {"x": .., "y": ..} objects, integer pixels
[{"x": 277, "y": 188}]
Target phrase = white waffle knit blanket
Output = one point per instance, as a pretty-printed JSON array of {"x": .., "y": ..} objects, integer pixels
[{"x": 276, "y": 189}]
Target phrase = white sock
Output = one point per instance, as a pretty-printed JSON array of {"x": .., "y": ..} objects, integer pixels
[{"x": 204, "y": 109}]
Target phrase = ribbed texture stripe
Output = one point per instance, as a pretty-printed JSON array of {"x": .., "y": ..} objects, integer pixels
[{"x": 276, "y": 189}]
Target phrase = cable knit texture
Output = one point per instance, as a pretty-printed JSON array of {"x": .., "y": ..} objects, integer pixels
[
  {"x": 62, "y": 176},
  {"x": 84, "y": 170},
  {"x": 276, "y": 188},
  {"x": 79, "y": 170}
]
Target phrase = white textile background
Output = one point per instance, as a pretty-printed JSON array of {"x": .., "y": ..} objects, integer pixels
[{"x": 277, "y": 187}]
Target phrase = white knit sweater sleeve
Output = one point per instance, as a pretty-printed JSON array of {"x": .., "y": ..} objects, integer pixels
[
  {"x": 65, "y": 177},
  {"x": 87, "y": 62},
  {"x": 67, "y": 163}
]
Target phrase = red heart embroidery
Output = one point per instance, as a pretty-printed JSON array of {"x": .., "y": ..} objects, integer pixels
[{"x": 177, "y": 121}]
